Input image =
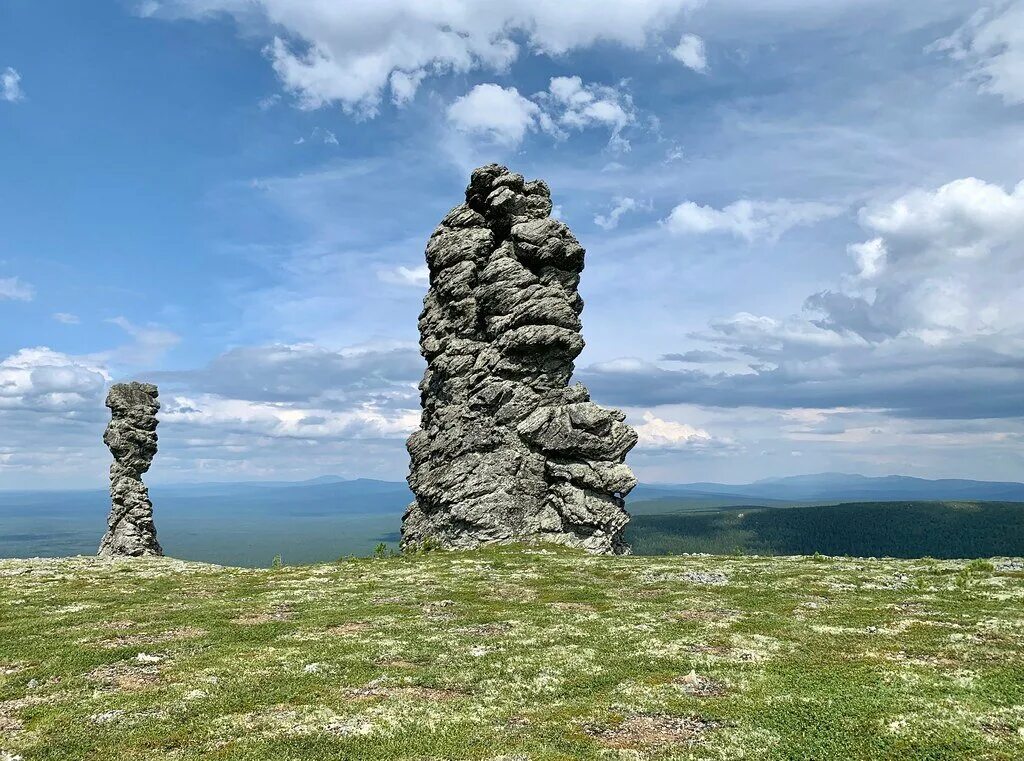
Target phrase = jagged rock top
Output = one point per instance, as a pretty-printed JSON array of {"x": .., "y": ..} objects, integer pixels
[{"x": 508, "y": 451}]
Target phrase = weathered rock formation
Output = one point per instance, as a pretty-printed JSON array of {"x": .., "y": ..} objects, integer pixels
[
  {"x": 507, "y": 451},
  {"x": 131, "y": 438}
]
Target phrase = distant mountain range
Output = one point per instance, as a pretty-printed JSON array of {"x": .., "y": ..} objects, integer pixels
[
  {"x": 331, "y": 493},
  {"x": 371, "y": 494},
  {"x": 839, "y": 487}
]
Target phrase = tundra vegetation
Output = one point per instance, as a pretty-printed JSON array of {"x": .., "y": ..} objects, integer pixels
[{"x": 513, "y": 653}]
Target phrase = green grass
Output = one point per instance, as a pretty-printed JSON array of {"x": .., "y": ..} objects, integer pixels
[{"x": 512, "y": 654}]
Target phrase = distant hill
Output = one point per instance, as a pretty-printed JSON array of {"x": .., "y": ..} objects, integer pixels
[
  {"x": 840, "y": 487},
  {"x": 866, "y": 529}
]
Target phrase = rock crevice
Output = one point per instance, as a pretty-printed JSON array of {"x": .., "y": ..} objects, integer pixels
[
  {"x": 507, "y": 450},
  {"x": 132, "y": 440}
]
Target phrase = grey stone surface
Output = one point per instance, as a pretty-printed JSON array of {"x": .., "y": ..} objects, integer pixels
[
  {"x": 131, "y": 438},
  {"x": 507, "y": 450}
]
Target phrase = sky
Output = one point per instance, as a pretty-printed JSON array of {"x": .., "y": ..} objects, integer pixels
[{"x": 804, "y": 225}]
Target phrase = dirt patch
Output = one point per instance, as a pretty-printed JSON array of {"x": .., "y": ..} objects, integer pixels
[
  {"x": 699, "y": 686},
  {"x": 410, "y": 691},
  {"x": 128, "y": 677},
  {"x": 652, "y": 731},
  {"x": 352, "y": 627}
]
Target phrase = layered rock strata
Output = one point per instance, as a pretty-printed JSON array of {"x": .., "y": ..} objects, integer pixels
[
  {"x": 131, "y": 438},
  {"x": 507, "y": 451}
]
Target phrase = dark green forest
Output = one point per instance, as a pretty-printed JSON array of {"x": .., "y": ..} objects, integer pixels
[{"x": 865, "y": 529}]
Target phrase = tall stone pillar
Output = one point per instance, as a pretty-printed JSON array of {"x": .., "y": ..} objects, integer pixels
[{"x": 507, "y": 451}]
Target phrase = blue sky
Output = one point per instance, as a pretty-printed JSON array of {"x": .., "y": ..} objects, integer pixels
[{"x": 804, "y": 224}]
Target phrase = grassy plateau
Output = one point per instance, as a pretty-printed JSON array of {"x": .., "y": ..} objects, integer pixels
[{"x": 513, "y": 654}]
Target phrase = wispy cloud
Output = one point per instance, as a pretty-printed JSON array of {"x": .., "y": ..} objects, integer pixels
[
  {"x": 991, "y": 45},
  {"x": 621, "y": 207},
  {"x": 749, "y": 220},
  {"x": 10, "y": 86},
  {"x": 696, "y": 356},
  {"x": 415, "y": 276},
  {"x": 150, "y": 342},
  {"x": 13, "y": 288}
]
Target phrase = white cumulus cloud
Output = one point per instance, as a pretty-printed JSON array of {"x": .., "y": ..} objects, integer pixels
[
  {"x": 326, "y": 52},
  {"x": 942, "y": 263},
  {"x": 966, "y": 218},
  {"x": 690, "y": 52},
  {"x": 505, "y": 116},
  {"x": 870, "y": 257},
  {"x": 495, "y": 112},
  {"x": 44, "y": 380},
  {"x": 655, "y": 433}
]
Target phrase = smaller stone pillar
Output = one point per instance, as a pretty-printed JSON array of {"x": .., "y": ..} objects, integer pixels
[{"x": 131, "y": 438}]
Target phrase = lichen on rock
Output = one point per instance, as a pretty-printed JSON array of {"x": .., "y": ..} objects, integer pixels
[
  {"x": 131, "y": 438},
  {"x": 507, "y": 451}
]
